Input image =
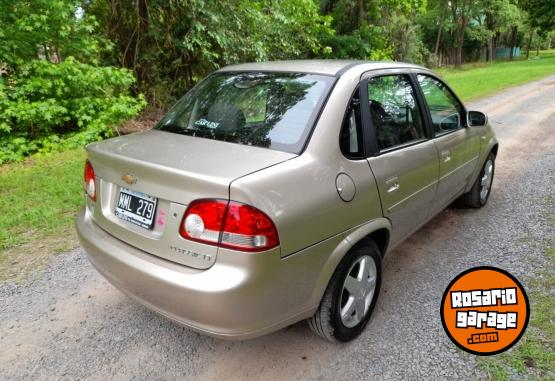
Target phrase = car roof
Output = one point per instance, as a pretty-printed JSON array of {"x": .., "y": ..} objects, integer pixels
[{"x": 326, "y": 67}]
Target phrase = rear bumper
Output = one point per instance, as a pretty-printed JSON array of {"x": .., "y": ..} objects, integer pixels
[{"x": 241, "y": 296}]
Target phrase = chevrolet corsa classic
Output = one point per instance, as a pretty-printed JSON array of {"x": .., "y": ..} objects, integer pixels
[{"x": 271, "y": 192}]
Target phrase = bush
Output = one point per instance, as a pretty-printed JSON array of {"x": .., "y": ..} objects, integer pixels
[
  {"x": 366, "y": 43},
  {"x": 46, "y": 106}
]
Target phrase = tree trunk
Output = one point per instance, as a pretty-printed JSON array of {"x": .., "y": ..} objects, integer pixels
[
  {"x": 361, "y": 13},
  {"x": 461, "y": 22},
  {"x": 142, "y": 30},
  {"x": 439, "y": 30},
  {"x": 490, "y": 50},
  {"x": 514, "y": 30},
  {"x": 46, "y": 55},
  {"x": 529, "y": 43},
  {"x": 460, "y": 42},
  {"x": 490, "y": 23}
]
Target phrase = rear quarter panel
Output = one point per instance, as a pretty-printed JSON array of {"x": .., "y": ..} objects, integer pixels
[{"x": 300, "y": 194}]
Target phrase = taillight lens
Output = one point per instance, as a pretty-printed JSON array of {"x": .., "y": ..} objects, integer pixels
[
  {"x": 229, "y": 224},
  {"x": 90, "y": 187},
  {"x": 203, "y": 220}
]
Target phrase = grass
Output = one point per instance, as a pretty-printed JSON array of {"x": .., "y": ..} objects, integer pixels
[
  {"x": 474, "y": 81},
  {"x": 38, "y": 202}
]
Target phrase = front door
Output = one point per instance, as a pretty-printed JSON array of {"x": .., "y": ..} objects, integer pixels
[
  {"x": 406, "y": 164},
  {"x": 458, "y": 147}
]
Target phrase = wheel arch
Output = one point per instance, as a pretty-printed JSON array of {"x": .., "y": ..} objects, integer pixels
[
  {"x": 492, "y": 146},
  {"x": 381, "y": 237},
  {"x": 494, "y": 149},
  {"x": 377, "y": 230}
]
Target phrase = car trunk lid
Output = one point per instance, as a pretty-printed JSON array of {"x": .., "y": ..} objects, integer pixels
[{"x": 174, "y": 169}]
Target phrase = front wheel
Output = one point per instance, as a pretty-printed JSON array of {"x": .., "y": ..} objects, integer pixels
[
  {"x": 480, "y": 191},
  {"x": 351, "y": 295}
]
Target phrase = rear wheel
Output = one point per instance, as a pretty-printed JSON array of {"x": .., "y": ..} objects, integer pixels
[
  {"x": 479, "y": 194},
  {"x": 351, "y": 295}
]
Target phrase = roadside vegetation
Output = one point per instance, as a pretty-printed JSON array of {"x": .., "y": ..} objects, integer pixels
[
  {"x": 73, "y": 71},
  {"x": 38, "y": 201},
  {"x": 477, "y": 80}
]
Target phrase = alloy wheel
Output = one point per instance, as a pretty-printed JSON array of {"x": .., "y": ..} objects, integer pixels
[{"x": 358, "y": 291}]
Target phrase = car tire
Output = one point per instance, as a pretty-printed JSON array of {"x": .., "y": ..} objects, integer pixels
[
  {"x": 336, "y": 319},
  {"x": 479, "y": 193}
]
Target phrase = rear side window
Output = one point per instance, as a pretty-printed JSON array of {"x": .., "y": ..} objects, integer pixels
[
  {"x": 271, "y": 110},
  {"x": 394, "y": 111},
  {"x": 350, "y": 140},
  {"x": 445, "y": 109}
]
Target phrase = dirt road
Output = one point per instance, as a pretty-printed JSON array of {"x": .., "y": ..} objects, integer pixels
[{"x": 68, "y": 323}]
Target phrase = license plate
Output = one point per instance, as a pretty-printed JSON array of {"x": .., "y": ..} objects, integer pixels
[{"x": 136, "y": 207}]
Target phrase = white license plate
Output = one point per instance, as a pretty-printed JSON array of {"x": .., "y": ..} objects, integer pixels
[{"x": 136, "y": 207}]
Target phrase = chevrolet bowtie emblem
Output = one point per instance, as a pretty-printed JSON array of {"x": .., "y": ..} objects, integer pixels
[{"x": 129, "y": 178}]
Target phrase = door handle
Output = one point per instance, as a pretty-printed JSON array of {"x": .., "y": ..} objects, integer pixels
[
  {"x": 392, "y": 184},
  {"x": 445, "y": 155}
]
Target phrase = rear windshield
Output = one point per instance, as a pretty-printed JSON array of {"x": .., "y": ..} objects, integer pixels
[{"x": 271, "y": 110}]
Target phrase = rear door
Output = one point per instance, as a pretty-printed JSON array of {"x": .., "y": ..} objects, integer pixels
[
  {"x": 405, "y": 160},
  {"x": 458, "y": 147}
]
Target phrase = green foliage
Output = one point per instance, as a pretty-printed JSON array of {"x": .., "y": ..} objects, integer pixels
[
  {"x": 171, "y": 45},
  {"x": 368, "y": 30},
  {"x": 542, "y": 14},
  {"x": 72, "y": 70},
  {"x": 77, "y": 101},
  {"x": 367, "y": 43},
  {"x": 48, "y": 28},
  {"x": 405, "y": 40}
]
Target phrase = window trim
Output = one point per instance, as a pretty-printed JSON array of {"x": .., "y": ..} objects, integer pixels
[
  {"x": 366, "y": 137},
  {"x": 367, "y": 121},
  {"x": 404, "y": 145},
  {"x": 464, "y": 123},
  {"x": 346, "y": 117}
]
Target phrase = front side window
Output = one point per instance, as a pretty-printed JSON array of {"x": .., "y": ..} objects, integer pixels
[
  {"x": 394, "y": 111},
  {"x": 445, "y": 109},
  {"x": 271, "y": 110}
]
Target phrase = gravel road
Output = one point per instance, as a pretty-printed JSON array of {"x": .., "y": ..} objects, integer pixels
[{"x": 69, "y": 323}]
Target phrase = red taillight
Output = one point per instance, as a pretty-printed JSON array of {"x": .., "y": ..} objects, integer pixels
[
  {"x": 229, "y": 224},
  {"x": 203, "y": 220},
  {"x": 90, "y": 187}
]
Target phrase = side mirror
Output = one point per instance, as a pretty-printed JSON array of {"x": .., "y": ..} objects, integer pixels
[{"x": 476, "y": 119}]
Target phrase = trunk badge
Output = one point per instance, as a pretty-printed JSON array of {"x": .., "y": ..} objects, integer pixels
[{"x": 129, "y": 178}]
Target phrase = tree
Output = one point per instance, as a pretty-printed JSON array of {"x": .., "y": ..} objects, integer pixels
[
  {"x": 461, "y": 11},
  {"x": 501, "y": 15},
  {"x": 169, "y": 45},
  {"x": 371, "y": 30},
  {"x": 47, "y": 28},
  {"x": 53, "y": 94},
  {"x": 541, "y": 14}
]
